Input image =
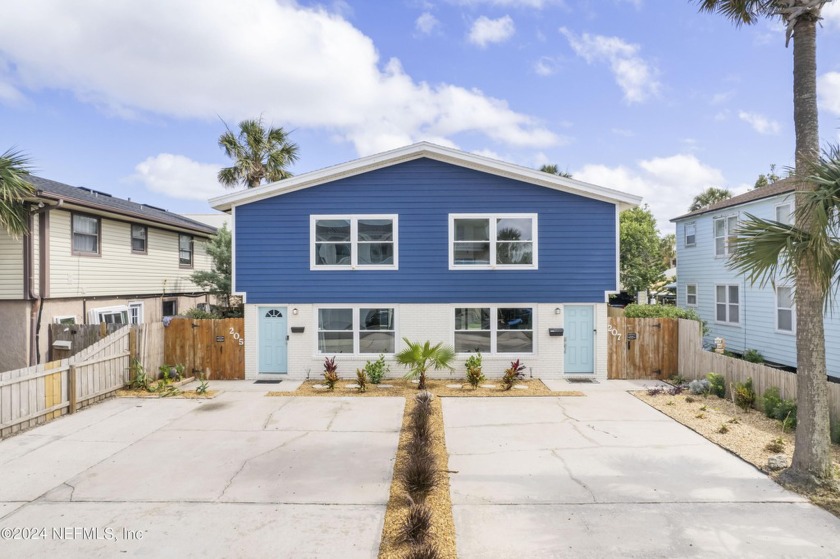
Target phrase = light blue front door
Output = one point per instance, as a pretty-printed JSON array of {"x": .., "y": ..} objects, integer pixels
[
  {"x": 580, "y": 339},
  {"x": 273, "y": 340}
]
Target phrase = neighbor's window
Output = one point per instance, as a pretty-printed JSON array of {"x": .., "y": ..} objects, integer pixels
[
  {"x": 185, "y": 251},
  {"x": 349, "y": 242},
  {"x": 727, "y": 303},
  {"x": 784, "y": 214},
  {"x": 109, "y": 315},
  {"x": 170, "y": 307},
  {"x": 365, "y": 330},
  {"x": 724, "y": 228},
  {"x": 493, "y": 241},
  {"x": 139, "y": 233},
  {"x": 690, "y": 234},
  {"x": 494, "y": 330},
  {"x": 135, "y": 313},
  {"x": 785, "y": 309},
  {"x": 66, "y": 320},
  {"x": 691, "y": 294},
  {"x": 86, "y": 234}
]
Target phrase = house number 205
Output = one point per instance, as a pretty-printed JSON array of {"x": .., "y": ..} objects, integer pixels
[{"x": 236, "y": 336}]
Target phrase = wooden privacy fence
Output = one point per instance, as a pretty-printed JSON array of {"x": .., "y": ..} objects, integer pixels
[
  {"x": 641, "y": 348},
  {"x": 215, "y": 347},
  {"x": 80, "y": 336},
  {"x": 695, "y": 362}
]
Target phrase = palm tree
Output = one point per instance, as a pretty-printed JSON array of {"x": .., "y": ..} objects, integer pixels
[
  {"x": 419, "y": 358},
  {"x": 811, "y": 465},
  {"x": 708, "y": 197},
  {"x": 258, "y": 154},
  {"x": 553, "y": 169},
  {"x": 14, "y": 189}
]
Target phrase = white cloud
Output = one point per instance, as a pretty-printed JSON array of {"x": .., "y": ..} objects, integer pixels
[
  {"x": 831, "y": 15},
  {"x": 297, "y": 66},
  {"x": 667, "y": 184},
  {"x": 426, "y": 23},
  {"x": 760, "y": 123},
  {"x": 720, "y": 98},
  {"x": 627, "y": 133},
  {"x": 828, "y": 92},
  {"x": 538, "y": 4},
  {"x": 485, "y": 31},
  {"x": 636, "y": 77},
  {"x": 545, "y": 66},
  {"x": 179, "y": 177}
]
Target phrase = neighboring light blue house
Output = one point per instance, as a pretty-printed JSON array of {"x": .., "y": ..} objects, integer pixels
[
  {"x": 746, "y": 316},
  {"x": 428, "y": 243}
]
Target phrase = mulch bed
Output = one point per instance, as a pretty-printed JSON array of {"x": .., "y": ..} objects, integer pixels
[{"x": 438, "y": 387}]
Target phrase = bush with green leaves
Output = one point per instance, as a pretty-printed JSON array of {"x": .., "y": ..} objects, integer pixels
[
  {"x": 835, "y": 432},
  {"x": 770, "y": 400},
  {"x": 717, "y": 384},
  {"x": 361, "y": 380},
  {"x": 474, "y": 374},
  {"x": 663, "y": 311},
  {"x": 700, "y": 387},
  {"x": 330, "y": 372},
  {"x": 753, "y": 356},
  {"x": 203, "y": 385},
  {"x": 775, "y": 407},
  {"x": 743, "y": 394},
  {"x": 200, "y": 314},
  {"x": 376, "y": 370}
]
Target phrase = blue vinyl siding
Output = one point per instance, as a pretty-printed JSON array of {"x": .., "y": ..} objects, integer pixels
[
  {"x": 757, "y": 329},
  {"x": 577, "y": 240}
]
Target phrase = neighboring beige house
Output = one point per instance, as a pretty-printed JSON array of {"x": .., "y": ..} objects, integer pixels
[{"x": 91, "y": 258}]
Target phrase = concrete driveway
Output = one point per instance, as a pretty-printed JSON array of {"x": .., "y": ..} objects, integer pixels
[
  {"x": 607, "y": 476},
  {"x": 238, "y": 476}
]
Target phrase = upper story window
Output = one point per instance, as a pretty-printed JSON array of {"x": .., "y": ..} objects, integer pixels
[
  {"x": 349, "y": 242},
  {"x": 139, "y": 233},
  {"x": 479, "y": 241},
  {"x": 86, "y": 232},
  {"x": 784, "y": 214},
  {"x": 185, "y": 251},
  {"x": 728, "y": 308},
  {"x": 724, "y": 230},
  {"x": 785, "y": 309},
  {"x": 691, "y": 295},
  {"x": 690, "y": 234}
]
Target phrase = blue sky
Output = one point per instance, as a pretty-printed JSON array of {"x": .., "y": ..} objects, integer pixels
[{"x": 646, "y": 96}]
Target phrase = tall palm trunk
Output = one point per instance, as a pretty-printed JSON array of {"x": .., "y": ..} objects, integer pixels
[{"x": 811, "y": 459}]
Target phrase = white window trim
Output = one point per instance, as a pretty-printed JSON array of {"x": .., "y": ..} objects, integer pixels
[
  {"x": 696, "y": 296},
  {"x": 494, "y": 326},
  {"x": 792, "y": 331},
  {"x": 59, "y": 318},
  {"x": 685, "y": 234},
  {"x": 357, "y": 328},
  {"x": 776, "y": 214},
  {"x": 726, "y": 234},
  {"x": 740, "y": 297},
  {"x": 492, "y": 218},
  {"x": 94, "y": 315},
  {"x": 354, "y": 242},
  {"x": 140, "y": 311}
]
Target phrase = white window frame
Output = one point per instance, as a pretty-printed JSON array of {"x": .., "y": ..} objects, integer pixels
[
  {"x": 727, "y": 234},
  {"x": 357, "y": 328},
  {"x": 729, "y": 305},
  {"x": 135, "y": 306},
  {"x": 792, "y": 310},
  {"x": 789, "y": 205},
  {"x": 492, "y": 219},
  {"x": 354, "y": 243},
  {"x": 96, "y": 315},
  {"x": 688, "y": 303},
  {"x": 494, "y": 330},
  {"x": 693, "y": 226},
  {"x": 58, "y": 319}
]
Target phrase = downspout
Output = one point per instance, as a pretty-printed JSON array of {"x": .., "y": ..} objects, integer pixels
[
  {"x": 29, "y": 292},
  {"x": 43, "y": 277}
]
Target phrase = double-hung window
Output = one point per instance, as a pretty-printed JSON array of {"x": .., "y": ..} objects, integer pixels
[
  {"x": 135, "y": 313},
  {"x": 86, "y": 234},
  {"x": 494, "y": 330},
  {"x": 691, "y": 295},
  {"x": 359, "y": 330},
  {"x": 785, "y": 310},
  {"x": 109, "y": 315},
  {"x": 690, "y": 234},
  {"x": 139, "y": 233},
  {"x": 727, "y": 303},
  {"x": 480, "y": 241},
  {"x": 350, "y": 242},
  {"x": 725, "y": 234},
  {"x": 185, "y": 251}
]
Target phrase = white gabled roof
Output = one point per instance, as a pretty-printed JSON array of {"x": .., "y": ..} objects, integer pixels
[{"x": 430, "y": 151}]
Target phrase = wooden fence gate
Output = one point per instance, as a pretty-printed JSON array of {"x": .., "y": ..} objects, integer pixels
[
  {"x": 642, "y": 348},
  {"x": 216, "y": 346}
]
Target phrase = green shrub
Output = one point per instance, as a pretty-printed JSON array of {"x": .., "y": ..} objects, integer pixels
[
  {"x": 677, "y": 379},
  {"x": 663, "y": 311},
  {"x": 753, "y": 356},
  {"x": 361, "y": 380},
  {"x": 776, "y": 445},
  {"x": 835, "y": 433},
  {"x": 200, "y": 314},
  {"x": 474, "y": 374},
  {"x": 771, "y": 401},
  {"x": 786, "y": 413},
  {"x": 203, "y": 385},
  {"x": 718, "y": 384},
  {"x": 744, "y": 394},
  {"x": 376, "y": 370}
]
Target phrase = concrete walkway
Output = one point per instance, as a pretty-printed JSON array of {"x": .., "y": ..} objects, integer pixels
[
  {"x": 607, "y": 476},
  {"x": 241, "y": 475}
]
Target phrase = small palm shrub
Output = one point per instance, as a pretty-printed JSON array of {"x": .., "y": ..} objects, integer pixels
[
  {"x": 376, "y": 370},
  {"x": 474, "y": 374},
  {"x": 416, "y": 525},
  {"x": 753, "y": 356},
  {"x": 743, "y": 394},
  {"x": 513, "y": 374},
  {"x": 330, "y": 372},
  {"x": 419, "y": 358},
  {"x": 717, "y": 384},
  {"x": 700, "y": 387},
  {"x": 361, "y": 380}
]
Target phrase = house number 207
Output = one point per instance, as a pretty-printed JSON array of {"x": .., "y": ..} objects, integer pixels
[
  {"x": 611, "y": 329},
  {"x": 236, "y": 336}
]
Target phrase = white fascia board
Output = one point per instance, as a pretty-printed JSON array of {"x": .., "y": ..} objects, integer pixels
[{"x": 431, "y": 151}]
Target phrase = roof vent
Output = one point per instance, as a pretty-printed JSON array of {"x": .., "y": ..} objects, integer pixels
[
  {"x": 95, "y": 192},
  {"x": 153, "y": 207}
]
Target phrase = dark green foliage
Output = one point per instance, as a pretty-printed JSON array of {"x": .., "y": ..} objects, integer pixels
[
  {"x": 677, "y": 379},
  {"x": 217, "y": 281},
  {"x": 835, "y": 433},
  {"x": 662, "y": 311},
  {"x": 641, "y": 262},
  {"x": 14, "y": 190},
  {"x": 718, "y": 384},
  {"x": 786, "y": 413},
  {"x": 200, "y": 314},
  {"x": 753, "y": 356},
  {"x": 139, "y": 377},
  {"x": 513, "y": 374},
  {"x": 415, "y": 528},
  {"x": 330, "y": 372},
  {"x": 744, "y": 394},
  {"x": 361, "y": 380},
  {"x": 377, "y": 369},
  {"x": 425, "y": 551},
  {"x": 771, "y": 400}
]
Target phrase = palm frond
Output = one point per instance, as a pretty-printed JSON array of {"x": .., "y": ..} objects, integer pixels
[
  {"x": 741, "y": 12},
  {"x": 14, "y": 189},
  {"x": 765, "y": 251}
]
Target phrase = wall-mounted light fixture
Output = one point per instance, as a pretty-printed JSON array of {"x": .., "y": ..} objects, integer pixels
[
  {"x": 557, "y": 310},
  {"x": 295, "y": 311}
]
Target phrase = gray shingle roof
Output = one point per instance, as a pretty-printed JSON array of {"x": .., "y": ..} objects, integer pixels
[
  {"x": 105, "y": 202},
  {"x": 778, "y": 187}
]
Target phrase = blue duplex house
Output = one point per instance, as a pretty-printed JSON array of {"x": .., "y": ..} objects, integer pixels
[
  {"x": 428, "y": 243},
  {"x": 746, "y": 316}
]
